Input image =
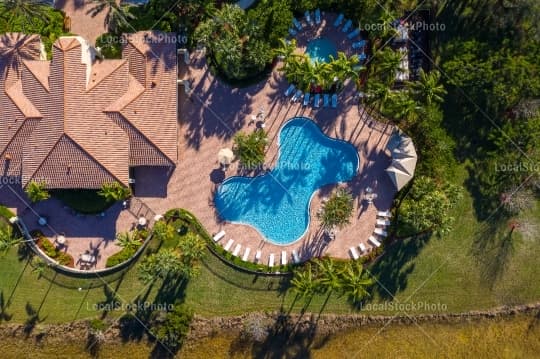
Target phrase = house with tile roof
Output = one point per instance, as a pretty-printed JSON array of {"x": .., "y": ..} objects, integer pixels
[{"x": 78, "y": 121}]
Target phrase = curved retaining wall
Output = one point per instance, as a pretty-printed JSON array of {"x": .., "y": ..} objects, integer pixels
[{"x": 73, "y": 271}]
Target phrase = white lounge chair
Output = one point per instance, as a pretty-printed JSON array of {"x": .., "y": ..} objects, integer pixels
[
  {"x": 292, "y": 31},
  {"x": 309, "y": 20},
  {"x": 383, "y": 222},
  {"x": 374, "y": 241},
  {"x": 316, "y": 100},
  {"x": 229, "y": 244},
  {"x": 354, "y": 253},
  {"x": 347, "y": 26},
  {"x": 307, "y": 96},
  {"x": 384, "y": 214},
  {"x": 246, "y": 254},
  {"x": 359, "y": 44},
  {"x": 380, "y": 232},
  {"x": 318, "y": 16},
  {"x": 290, "y": 90},
  {"x": 237, "y": 250},
  {"x": 362, "y": 247},
  {"x": 283, "y": 258},
  {"x": 297, "y": 24},
  {"x": 297, "y": 96},
  {"x": 218, "y": 236},
  {"x": 334, "y": 100},
  {"x": 353, "y": 34},
  {"x": 339, "y": 20},
  {"x": 271, "y": 260},
  {"x": 326, "y": 101},
  {"x": 295, "y": 256},
  {"x": 258, "y": 256}
]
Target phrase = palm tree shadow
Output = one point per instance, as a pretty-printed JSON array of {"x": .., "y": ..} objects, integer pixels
[
  {"x": 396, "y": 265},
  {"x": 32, "y": 320},
  {"x": 287, "y": 339},
  {"x": 492, "y": 251},
  {"x": 4, "y": 315}
]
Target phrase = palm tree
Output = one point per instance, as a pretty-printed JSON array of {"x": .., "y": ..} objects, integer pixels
[
  {"x": 114, "y": 191},
  {"x": 387, "y": 64},
  {"x": 428, "y": 88},
  {"x": 285, "y": 49},
  {"x": 163, "y": 231},
  {"x": 328, "y": 275},
  {"x": 304, "y": 283},
  {"x": 402, "y": 108},
  {"x": 128, "y": 240},
  {"x": 36, "y": 191},
  {"x": 355, "y": 282},
  {"x": 23, "y": 10},
  {"x": 161, "y": 265},
  {"x": 378, "y": 94},
  {"x": 337, "y": 211},
  {"x": 7, "y": 239},
  {"x": 117, "y": 15},
  {"x": 192, "y": 249}
]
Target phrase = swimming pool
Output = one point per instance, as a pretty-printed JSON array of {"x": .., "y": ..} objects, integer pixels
[
  {"x": 320, "y": 49},
  {"x": 277, "y": 203}
]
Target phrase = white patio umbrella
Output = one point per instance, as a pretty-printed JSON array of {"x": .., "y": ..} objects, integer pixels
[{"x": 225, "y": 156}]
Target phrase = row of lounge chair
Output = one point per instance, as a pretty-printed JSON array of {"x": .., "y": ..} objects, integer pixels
[
  {"x": 351, "y": 35},
  {"x": 383, "y": 220},
  {"x": 298, "y": 26},
  {"x": 327, "y": 99},
  {"x": 258, "y": 254}
]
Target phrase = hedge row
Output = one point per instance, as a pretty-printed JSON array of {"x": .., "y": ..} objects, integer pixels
[{"x": 193, "y": 223}]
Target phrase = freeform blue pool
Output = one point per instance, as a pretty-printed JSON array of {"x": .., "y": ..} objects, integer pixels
[
  {"x": 320, "y": 49},
  {"x": 277, "y": 203}
]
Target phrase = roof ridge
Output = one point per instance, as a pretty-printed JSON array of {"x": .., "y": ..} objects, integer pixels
[
  {"x": 146, "y": 138},
  {"x": 92, "y": 157},
  {"x": 46, "y": 86},
  {"x": 121, "y": 62},
  {"x": 16, "y": 98}
]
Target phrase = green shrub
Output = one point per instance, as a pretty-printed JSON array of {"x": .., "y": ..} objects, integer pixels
[
  {"x": 175, "y": 327},
  {"x": 6, "y": 213},
  {"x": 50, "y": 250},
  {"x": 110, "y": 45},
  {"x": 120, "y": 257}
]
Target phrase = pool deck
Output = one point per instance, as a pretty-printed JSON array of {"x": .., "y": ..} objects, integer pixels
[
  {"x": 209, "y": 118},
  {"x": 212, "y": 115}
]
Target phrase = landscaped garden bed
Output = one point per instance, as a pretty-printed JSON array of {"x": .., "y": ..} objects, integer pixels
[{"x": 52, "y": 251}]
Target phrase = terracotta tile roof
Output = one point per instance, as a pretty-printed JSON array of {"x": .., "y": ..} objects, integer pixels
[
  {"x": 95, "y": 118},
  {"x": 40, "y": 70}
]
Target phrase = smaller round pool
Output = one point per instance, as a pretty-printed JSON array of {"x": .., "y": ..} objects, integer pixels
[{"x": 320, "y": 49}]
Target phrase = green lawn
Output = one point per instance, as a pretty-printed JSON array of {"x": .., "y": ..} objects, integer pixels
[{"x": 465, "y": 270}]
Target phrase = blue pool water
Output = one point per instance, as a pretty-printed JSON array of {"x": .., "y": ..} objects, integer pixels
[
  {"x": 277, "y": 203},
  {"x": 320, "y": 49}
]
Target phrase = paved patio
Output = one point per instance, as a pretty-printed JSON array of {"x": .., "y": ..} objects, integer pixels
[
  {"x": 81, "y": 22},
  {"x": 212, "y": 115}
]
